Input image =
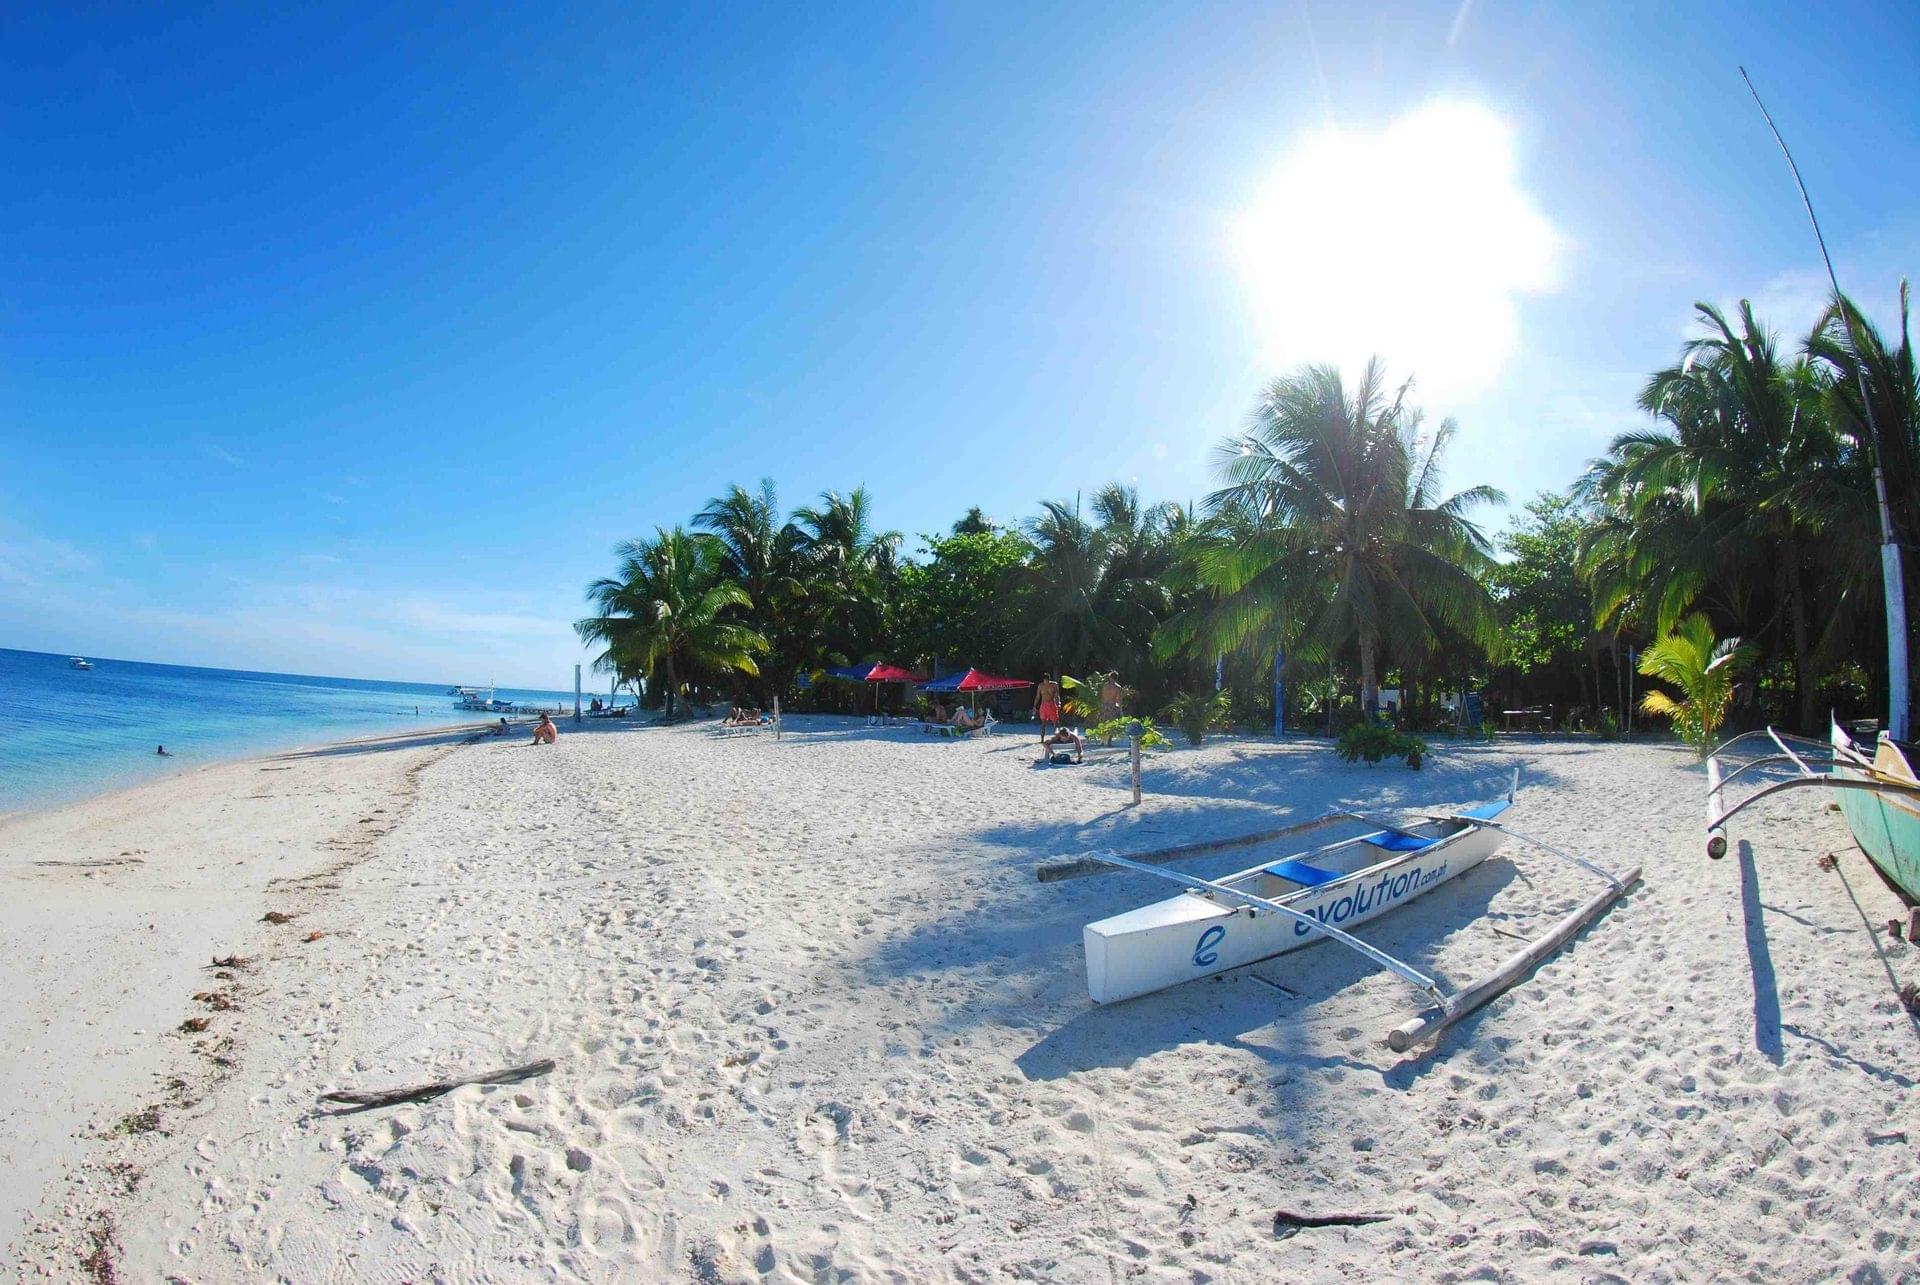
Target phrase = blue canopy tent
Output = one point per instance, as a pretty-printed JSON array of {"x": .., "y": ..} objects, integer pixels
[{"x": 872, "y": 672}]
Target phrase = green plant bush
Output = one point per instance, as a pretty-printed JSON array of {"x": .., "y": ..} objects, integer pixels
[
  {"x": 1197, "y": 713},
  {"x": 1376, "y": 741},
  {"x": 1115, "y": 729}
]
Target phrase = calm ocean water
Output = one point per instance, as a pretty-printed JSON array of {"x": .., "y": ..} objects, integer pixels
[{"x": 67, "y": 733}]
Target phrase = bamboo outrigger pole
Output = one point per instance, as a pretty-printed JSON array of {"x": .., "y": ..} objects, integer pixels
[{"x": 1891, "y": 575}]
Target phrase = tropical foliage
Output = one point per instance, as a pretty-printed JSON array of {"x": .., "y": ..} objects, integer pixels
[
  {"x": 1197, "y": 713},
  {"x": 1373, "y": 741},
  {"x": 1750, "y": 502},
  {"x": 665, "y": 617},
  {"x": 1743, "y": 507},
  {"x": 1703, "y": 668},
  {"x": 1332, "y": 533}
]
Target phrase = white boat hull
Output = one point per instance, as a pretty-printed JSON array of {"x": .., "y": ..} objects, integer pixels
[{"x": 1189, "y": 936}]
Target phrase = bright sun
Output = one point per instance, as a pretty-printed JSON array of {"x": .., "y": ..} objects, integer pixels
[{"x": 1413, "y": 241}]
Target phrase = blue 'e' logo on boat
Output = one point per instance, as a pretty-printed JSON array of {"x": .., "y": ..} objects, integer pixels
[{"x": 1203, "y": 950}]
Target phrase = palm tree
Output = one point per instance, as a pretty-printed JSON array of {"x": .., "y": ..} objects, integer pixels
[
  {"x": 1892, "y": 380},
  {"x": 1332, "y": 530},
  {"x": 760, "y": 553},
  {"x": 852, "y": 570},
  {"x": 1726, "y": 502},
  {"x": 1096, "y": 590},
  {"x": 663, "y": 617},
  {"x": 1703, "y": 668}
]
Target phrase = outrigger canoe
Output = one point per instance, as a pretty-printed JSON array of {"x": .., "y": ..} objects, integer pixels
[
  {"x": 1879, "y": 796},
  {"x": 1280, "y": 906},
  {"x": 1204, "y": 931}
]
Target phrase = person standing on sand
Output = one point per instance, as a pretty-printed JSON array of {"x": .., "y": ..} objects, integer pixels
[
  {"x": 545, "y": 733},
  {"x": 1046, "y": 702},
  {"x": 1113, "y": 698}
]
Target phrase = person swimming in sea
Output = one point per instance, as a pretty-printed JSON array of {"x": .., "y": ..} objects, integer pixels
[{"x": 164, "y": 752}]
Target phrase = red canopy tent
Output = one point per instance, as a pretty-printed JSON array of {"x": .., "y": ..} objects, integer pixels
[
  {"x": 973, "y": 681},
  {"x": 877, "y": 673}
]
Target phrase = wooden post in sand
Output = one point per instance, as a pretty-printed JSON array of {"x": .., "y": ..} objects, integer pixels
[
  {"x": 776, "y": 718},
  {"x": 1133, "y": 737}
]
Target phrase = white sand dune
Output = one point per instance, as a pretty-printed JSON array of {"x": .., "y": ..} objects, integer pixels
[{"x": 814, "y": 1020}]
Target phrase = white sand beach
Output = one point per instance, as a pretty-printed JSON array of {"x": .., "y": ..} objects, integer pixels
[{"x": 813, "y": 1019}]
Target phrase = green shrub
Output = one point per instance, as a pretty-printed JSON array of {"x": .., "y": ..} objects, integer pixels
[
  {"x": 1376, "y": 741},
  {"x": 1197, "y": 713},
  {"x": 1608, "y": 728},
  {"x": 1115, "y": 729}
]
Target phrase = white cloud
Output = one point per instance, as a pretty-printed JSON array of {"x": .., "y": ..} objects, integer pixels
[
  {"x": 222, "y": 454},
  {"x": 1792, "y": 301},
  {"x": 30, "y": 559},
  {"x": 1416, "y": 241}
]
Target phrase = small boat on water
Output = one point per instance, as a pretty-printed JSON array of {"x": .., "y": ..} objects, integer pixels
[
  {"x": 471, "y": 698},
  {"x": 79, "y": 662},
  {"x": 1878, "y": 795},
  {"x": 1280, "y": 906}
]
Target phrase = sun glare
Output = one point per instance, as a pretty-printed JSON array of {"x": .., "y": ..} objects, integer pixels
[{"x": 1414, "y": 241}]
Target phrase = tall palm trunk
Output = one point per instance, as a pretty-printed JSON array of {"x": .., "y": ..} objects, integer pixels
[
  {"x": 673, "y": 686},
  {"x": 1806, "y": 695},
  {"x": 1369, "y": 670}
]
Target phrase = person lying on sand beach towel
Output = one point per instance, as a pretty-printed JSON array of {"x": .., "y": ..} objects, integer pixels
[
  {"x": 544, "y": 732},
  {"x": 1050, "y": 753}
]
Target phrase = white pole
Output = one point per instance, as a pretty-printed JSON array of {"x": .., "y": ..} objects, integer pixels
[
  {"x": 1892, "y": 579},
  {"x": 1133, "y": 735},
  {"x": 776, "y": 718}
]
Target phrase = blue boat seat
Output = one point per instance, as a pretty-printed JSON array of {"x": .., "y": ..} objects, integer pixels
[{"x": 1301, "y": 873}]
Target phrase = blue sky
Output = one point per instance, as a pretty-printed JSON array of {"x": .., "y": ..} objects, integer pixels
[{"x": 350, "y": 343}]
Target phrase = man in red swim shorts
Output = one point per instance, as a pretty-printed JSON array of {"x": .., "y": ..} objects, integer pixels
[{"x": 1046, "y": 701}]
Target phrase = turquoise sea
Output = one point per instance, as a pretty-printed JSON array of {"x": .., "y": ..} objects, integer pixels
[{"x": 67, "y": 733}]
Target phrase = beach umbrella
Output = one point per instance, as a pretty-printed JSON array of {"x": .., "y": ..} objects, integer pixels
[
  {"x": 973, "y": 682},
  {"x": 876, "y": 673}
]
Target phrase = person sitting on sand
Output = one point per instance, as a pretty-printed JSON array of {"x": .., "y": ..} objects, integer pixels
[
  {"x": 1065, "y": 736},
  {"x": 502, "y": 729},
  {"x": 544, "y": 732}
]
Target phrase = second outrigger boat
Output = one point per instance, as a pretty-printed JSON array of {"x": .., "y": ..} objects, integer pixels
[{"x": 1878, "y": 795}]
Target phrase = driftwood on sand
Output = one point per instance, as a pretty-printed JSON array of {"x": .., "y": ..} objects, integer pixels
[
  {"x": 1287, "y": 1223},
  {"x": 422, "y": 1092}
]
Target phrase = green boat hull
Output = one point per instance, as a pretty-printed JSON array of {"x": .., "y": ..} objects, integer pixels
[{"x": 1886, "y": 826}]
